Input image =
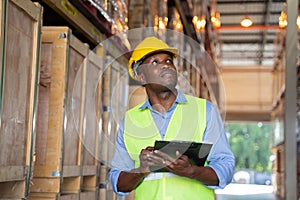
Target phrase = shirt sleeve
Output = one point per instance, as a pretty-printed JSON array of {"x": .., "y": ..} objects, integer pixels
[
  {"x": 221, "y": 158},
  {"x": 121, "y": 161}
]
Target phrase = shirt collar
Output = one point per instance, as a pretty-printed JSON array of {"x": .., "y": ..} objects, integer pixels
[{"x": 180, "y": 98}]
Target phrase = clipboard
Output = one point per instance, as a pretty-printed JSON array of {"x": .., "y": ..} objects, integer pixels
[{"x": 196, "y": 151}]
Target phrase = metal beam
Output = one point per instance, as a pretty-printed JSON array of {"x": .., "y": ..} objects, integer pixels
[
  {"x": 246, "y": 2},
  {"x": 77, "y": 19},
  {"x": 252, "y": 33},
  {"x": 264, "y": 32},
  {"x": 290, "y": 125},
  {"x": 257, "y": 27},
  {"x": 247, "y": 116},
  {"x": 257, "y": 13},
  {"x": 238, "y": 57},
  {"x": 245, "y": 42},
  {"x": 186, "y": 18}
]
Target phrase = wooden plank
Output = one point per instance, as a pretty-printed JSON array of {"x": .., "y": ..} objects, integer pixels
[
  {"x": 2, "y": 32},
  {"x": 12, "y": 173},
  {"x": 105, "y": 130},
  {"x": 69, "y": 197},
  {"x": 115, "y": 107},
  {"x": 76, "y": 84},
  {"x": 44, "y": 196},
  {"x": 43, "y": 104},
  {"x": 88, "y": 195},
  {"x": 53, "y": 196},
  {"x": 92, "y": 110},
  {"x": 57, "y": 99},
  {"x": 52, "y": 86},
  {"x": 17, "y": 88},
  {"x": 137, "y": 95},
  {"x": 20, "y": 28},
  {"x": 44, "y": 186},
  {"x": 46, "y": 171},
  {"x": 89, "y": 170},
  {"x": 69, "y": 171},
  {"x": 12, "y": 190},
  {"x": 94, "y": 70},
  {"x": 89, "y": 183},
  {"x": 29, "y": 8},
  {"x": 70, "y": 185}
]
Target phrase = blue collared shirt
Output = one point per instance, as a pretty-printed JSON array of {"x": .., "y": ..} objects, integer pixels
[{"x": 220, "y": 159}]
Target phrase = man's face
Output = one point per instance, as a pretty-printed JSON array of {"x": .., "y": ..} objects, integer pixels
[{"x": 159, "y": 70}]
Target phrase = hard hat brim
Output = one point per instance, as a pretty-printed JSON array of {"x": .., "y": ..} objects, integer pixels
[{"x": 172, "y": 51}]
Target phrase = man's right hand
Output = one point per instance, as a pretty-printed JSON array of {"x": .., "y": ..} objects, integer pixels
[
  {"x": 148, "y": 158},
  {"x": 128, "y": 181}
]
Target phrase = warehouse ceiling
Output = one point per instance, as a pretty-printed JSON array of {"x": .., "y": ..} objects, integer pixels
[
  {"x": 254, "y": 45},
  {"x": 247, "y": 57}
]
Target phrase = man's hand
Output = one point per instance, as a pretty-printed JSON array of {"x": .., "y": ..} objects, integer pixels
[
  {"x": 179, "y": 165},
  {"x": 128, "y": 181},
  {"x": 183, "y": 167},
  {"x": 148, "y": 158}
]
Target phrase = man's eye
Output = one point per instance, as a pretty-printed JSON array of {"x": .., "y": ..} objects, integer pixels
[
  {"x": 169, "y": 61},
  {"x": 154, "y": 62}
]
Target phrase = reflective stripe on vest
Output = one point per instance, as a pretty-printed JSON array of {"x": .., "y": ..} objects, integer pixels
[{"x": 187, "y": 123}]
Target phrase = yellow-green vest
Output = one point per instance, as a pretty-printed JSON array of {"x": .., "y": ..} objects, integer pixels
[{"x": 187, "y": 123}]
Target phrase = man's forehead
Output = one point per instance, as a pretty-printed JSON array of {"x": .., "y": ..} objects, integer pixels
[{"x": 160, "y": 54}]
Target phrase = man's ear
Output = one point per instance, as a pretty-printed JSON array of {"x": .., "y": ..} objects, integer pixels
[{"x": 141, "y": 78}]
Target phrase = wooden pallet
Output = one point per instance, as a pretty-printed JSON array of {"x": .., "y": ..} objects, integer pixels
[{"x": 19, "y": 54}]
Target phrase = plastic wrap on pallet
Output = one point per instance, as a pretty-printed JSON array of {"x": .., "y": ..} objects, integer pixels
[
  {"x": 119, "y": 16},
  {"x": 100, "y": 7}
]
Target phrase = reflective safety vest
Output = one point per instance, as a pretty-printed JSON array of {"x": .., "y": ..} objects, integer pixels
[{"x": 187, "y": 123}]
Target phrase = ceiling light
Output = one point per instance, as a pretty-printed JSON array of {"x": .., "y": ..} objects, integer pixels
[
  {"x": 161, "y": 24},
  {"x": 199, "y": 23},
  {"x": 282, "y": 20},
  {"x": 246, "y": 22},
  {"x": 195, "y": 19},
  {"x": 298, "y": 21},
  {"x": 178, "y": 25},
  {"x": 215, "y": 19}
]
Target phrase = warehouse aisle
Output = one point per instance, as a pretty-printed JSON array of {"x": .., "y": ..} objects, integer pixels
[{"x": 246, "y": 192}]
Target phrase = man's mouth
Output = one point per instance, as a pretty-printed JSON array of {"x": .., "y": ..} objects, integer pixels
[{"x": 168, "y": 72}]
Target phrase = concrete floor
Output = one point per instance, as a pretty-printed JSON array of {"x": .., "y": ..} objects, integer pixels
[{"x": 246, "y": 192}]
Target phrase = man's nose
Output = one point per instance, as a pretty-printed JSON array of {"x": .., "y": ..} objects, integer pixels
[{"x": 166, "y": 65}]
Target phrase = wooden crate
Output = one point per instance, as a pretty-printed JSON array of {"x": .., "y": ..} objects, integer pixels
[
  {"x": 89, "y": 186},
  {"x": 19, "y": 56},
  {"x": 57, "y": 171}
]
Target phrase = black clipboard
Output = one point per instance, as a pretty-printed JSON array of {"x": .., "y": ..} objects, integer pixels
[{"x": 196, "y": 151}]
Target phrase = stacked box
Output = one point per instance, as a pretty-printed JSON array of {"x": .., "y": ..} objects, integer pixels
[
  {"x": 57, "y": 170},
  {"x": 19, "y": 54}
]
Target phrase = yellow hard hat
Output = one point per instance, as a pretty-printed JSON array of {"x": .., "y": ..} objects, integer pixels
[{"x": 148, "y": 46}]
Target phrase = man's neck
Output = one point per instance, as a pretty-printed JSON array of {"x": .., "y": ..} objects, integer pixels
[{"x": 162, "y": 101}]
